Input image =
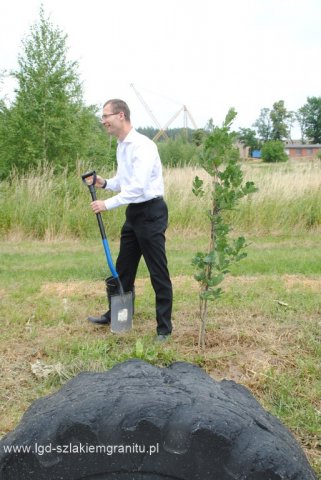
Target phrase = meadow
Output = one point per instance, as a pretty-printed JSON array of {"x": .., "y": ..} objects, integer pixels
[
  {"x": 44, "y": 205},
  {"x": 265, "y": 331}
]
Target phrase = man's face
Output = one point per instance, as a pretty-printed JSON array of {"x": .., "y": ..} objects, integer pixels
[{"x": 111, "y": 120}]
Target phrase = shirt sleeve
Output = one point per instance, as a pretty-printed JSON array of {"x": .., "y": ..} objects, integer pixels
[{"x": 113, "y": 184}]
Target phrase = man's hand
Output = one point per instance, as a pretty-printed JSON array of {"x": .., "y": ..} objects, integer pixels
[
  {"x": 98, "y": 206},
  {"x": 100, "y": 181}
]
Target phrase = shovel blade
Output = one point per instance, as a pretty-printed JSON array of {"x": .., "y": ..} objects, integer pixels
[{"x": 121, "y": 312}]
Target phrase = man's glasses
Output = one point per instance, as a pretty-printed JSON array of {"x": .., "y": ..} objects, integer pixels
[{"x": 104, "y": 117}]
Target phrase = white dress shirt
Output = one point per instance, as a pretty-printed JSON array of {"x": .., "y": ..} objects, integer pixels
[{"x": 139, "y": 172}]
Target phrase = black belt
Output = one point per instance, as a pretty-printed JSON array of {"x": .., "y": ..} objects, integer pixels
[{"x": 152, "y": 200}]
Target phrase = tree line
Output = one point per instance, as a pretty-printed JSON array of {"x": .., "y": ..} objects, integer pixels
[
  {"x": 275, "y": 124},
  {"x": 49, "y": 123}
]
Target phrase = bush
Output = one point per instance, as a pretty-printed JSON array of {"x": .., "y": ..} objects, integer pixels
[
  {"x": 178, "y": 153},
  {"x": 273, "y": 151}
]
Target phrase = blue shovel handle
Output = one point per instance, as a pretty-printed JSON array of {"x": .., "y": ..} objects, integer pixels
[{"x": 89, "y": 179}]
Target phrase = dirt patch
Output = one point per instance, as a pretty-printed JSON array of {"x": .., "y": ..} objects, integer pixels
[
  {"x": 238, "y": 348},
  {"x": 180, "y": 282},
  {"x": 3, "y": 293},
  {"x": 299, "y": 281},
  {"x": 69, "y": 289}
]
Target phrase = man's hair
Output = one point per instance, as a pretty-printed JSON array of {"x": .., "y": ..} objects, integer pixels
[{"x": 119, "y": 106}]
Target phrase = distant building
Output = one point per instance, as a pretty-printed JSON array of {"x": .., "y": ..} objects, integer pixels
[
  {"x": 299, "y": 150},
  {"x": 256, "y": 154}
]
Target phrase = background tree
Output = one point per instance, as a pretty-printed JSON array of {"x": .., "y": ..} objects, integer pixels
[
  {"x": 292, "y": 118},
  {"x": 198, "y": 136},
  {"x": 280, "y": 121},
  {"x": 311, "y": 119},
  {"x": 6, "y": 137},
  {"x": 48, "y": 121},
  {"x": 300, "y": 116},
  {"x": 263, "y": 125},
  {"x": 209, "y": 127},
  {"x": 248, "y": 137}
]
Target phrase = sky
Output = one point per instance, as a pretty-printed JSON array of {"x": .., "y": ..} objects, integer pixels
[{"x": 208, "y": 55}]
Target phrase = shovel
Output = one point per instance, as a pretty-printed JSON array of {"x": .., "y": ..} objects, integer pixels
[{"x": 121, "y": 307}]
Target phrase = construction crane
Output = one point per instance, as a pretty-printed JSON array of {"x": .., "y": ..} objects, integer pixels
[
  {"x": 152, "y": 116},
  {"x": 162, "y": 130},
  {"x": 170, "y": 121},
  {"x": 187, "y": 115}
]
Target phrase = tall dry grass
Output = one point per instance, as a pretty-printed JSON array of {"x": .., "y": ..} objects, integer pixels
[
  {"x": 43, "y": 204},
  {"x": 288, "y": 198}
]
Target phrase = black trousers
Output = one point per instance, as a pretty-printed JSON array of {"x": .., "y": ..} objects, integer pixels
[{"x": 143, "y": 234}]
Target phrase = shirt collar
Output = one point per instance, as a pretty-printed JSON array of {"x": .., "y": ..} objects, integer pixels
[{"x": 129, "y": 137}]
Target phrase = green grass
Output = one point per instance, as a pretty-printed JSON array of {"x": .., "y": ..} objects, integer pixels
[
  {"x": 295, "y": 395},
  {"x": 264, "y": 332},
  {"x": 288, "y": 255}
]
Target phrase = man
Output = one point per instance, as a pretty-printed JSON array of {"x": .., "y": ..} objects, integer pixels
[{"x": 139, "y": 182}]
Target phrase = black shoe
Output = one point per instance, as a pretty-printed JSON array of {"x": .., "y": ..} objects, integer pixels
[
  {"x": 162, "y": 338},
  {"x": 102, "y": 320}
]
